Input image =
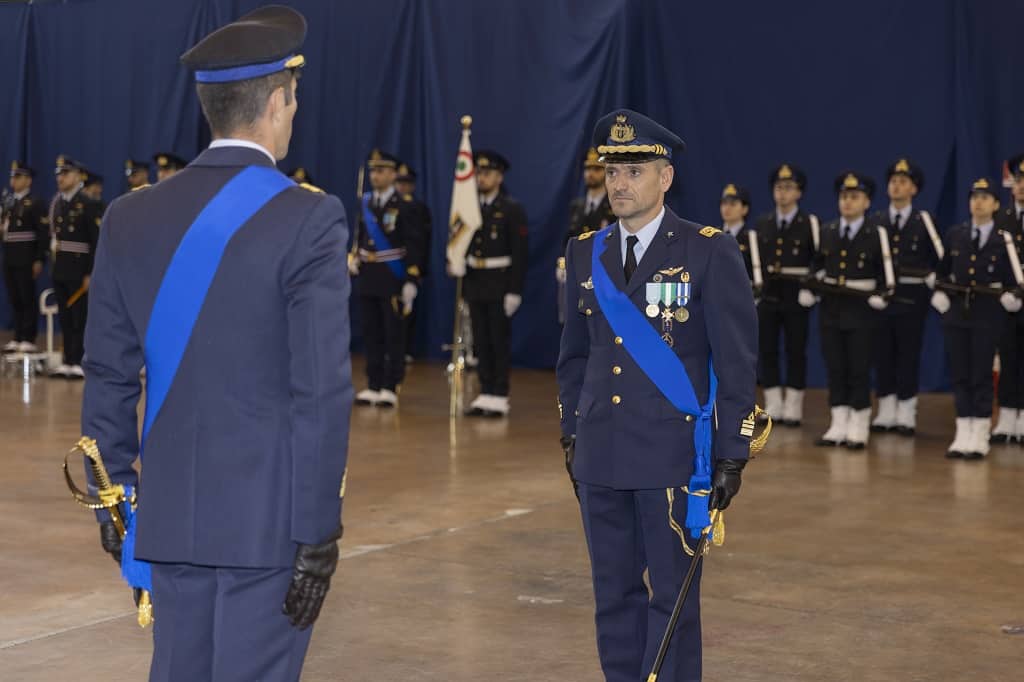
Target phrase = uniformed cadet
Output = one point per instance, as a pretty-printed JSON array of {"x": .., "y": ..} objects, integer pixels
[
  {"x": 136, "y": 174},
  {"x": 387, "y": 255},
  {"x": 167, "y": 164},
  {"x": 916, "y": 251},
  {"x": 75, "y": 222},
  {"x": 1010, "y": 423},
  {"x": 493, "y": 284},
  {"x": 589, "y": 212},
  {"x": 734, "y": 207},
  {"x": 300, "y": 175},
  {"x": 855, "y": 265},
  {"x": 228, "y": 285},
  {"x": 979, "y": 280},
  {"x": 789, "y": 240},
  {"x": 26, "y": 237},
  {"x": 405, "y": 183},
  {"x": 92, "y": 186},
  {"x": 660, "y": 308}
]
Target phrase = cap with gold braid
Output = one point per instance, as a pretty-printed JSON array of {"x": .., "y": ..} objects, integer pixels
[
  {"x": 19, "y": 168},
  {"x": 379, "y": 159},
  {"x": 626, "y": 136},
  {"x": 1016, "y": 166},
  {"x": 788, "y": 171},
  {"x": 736, "y": 193},
  {"x": 593, "y": 159},
  {"x": 851, "y": 181},
  {"x": 904, "y": 166},
  {"x": 984, "y": 186}
]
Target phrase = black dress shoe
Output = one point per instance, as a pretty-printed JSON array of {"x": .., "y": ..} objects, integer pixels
[
  {"x": 826, "y": 443},
  {"x": 905, "y": 430},
  {"x": 973, "y": 455},
  {"x": 878, "y": 428},
  {"x": 999, "y": 438},
  {"x": 854, "y": 445},
  {"x": 954, "y": 454},
  {"x": 474, "y": 412}
]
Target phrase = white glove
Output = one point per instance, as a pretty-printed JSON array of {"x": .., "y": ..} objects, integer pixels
[
  {"x": 1010, "y": 302},
  {"x": 820, "y": 275},
  {"x": 560, "y": 275},
  {"x": 877, "y": 302},
  {"x": 512, "y": 303},
  {"x": 930, "y": 280},
  {"x": 409, "y": 292},
  {"x": 353, "y": 264},
  {"x": 940, "y": 302},
  {"x": 806, "y": 298}
]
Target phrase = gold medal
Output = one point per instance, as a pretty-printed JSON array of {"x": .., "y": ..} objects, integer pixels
[
  {"x": 651, "y": 310},
  {"x": 682, "y": 315},
  {"x": 667, "y": 338}
]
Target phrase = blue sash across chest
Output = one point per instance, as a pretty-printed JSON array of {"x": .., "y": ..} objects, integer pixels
[{"x": 379, "y": 238}]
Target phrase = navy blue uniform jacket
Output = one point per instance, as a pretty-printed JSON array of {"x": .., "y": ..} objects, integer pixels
[
  {"x": 247, "y": 455},
  {"x": 628, "y": 435}
]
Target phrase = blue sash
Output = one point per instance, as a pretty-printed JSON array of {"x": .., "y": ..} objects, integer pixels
[
  {"x": 668, "y": 373},
  {"x": 180, "y": 298},
  {"x": 380, "y": 239}
]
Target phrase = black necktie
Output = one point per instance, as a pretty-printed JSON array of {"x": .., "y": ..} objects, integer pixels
[
  {"x": 630, "y": 267},
  {"x": 783, "y": 225},
  {"x": 976, "y": 239},
  {"x": 846, "y": 233},
  {"x": 896, "y": 223}
]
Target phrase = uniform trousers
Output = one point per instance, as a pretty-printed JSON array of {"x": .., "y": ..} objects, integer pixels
[
  {"x": 21, "y": 292},
  {"x": 491, "y": 345},
  {"x": 898, "y": 352},
  {"x": 847, "y": 354},
  {"x": 971, "y": 348},
  {"x": 793, "y": 324},
  {"x": 223, "y": 625},
  {"x": 627, "y": 532},
  {"x": 72, "y": 320},
  {"x": 1011, "y": 363},
  {"x": 384, "y": 339}
]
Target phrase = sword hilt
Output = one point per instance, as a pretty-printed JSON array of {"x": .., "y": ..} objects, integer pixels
[{"x": 108, "y": 496}]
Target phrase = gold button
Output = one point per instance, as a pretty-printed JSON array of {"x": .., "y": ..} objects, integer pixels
[
  {"x": 973, "y": 283},
  {"x": 842, "y": 266},
  {"x": 616, "y": 370},
  {"x": 577, "y": 412},
  {"x": 973, "y": 257},
  {"x": 843, "y": 253},
  {"x": 778, "y": 252},
  {"x": 689, "y": 417},
  {"x": 970, "y": 271},
  {"x": 618, "y": 340},
  {"x": 616, "y": 400},
  {"x": 895, "y": 251},
  {"x": 589, "y": 311},
  {"x": 779, "y": 240}
]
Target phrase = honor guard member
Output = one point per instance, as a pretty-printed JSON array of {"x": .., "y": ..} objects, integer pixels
[
  {"x": 301, "y": 175},
  {"x": 26, "y": 237},
  {"x": 405, "y": 182},
  {"x": 493, "y": 284},
  {"x": 656, "y": 375},
  {"x": 855, "y": 265},
  {"x": 735, "y": 207},
  {"x": 167, "y": 164},
  {"x": 916, "y": 252},
  {"x": 978, "y": 284},
  {"x": 92, "y": 186},
  {"x": 76, "y": 227},
  {"x": 789, "y": 240},
  {"x": 589, "y": 212},
  {"x": 228, "y": 285},
  {"x": 387, "y": 255},
  {"x": 1010, "y": 424},
  {"x": 136, "y": 173}
]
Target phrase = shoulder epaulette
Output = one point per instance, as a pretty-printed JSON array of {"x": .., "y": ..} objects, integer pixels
[
  {"x": 586, "y": 235},
  {"x": 709, "y": 231},
  {"x": 407, "y": 197},
  {"x": 136, "y": 189},
  {"x": 311, "y": 188}
]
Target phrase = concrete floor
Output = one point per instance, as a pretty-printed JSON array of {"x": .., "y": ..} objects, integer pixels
[{"x": 464, "y": 557}]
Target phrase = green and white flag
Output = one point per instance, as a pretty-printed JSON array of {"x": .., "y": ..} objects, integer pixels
[{"x": 465, "y": 218}]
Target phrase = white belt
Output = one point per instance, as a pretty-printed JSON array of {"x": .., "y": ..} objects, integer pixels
[
  {"x": 383, "y": 256},
  {"x": 795, "y": 270},
  {"x": 20, "y": 237},
  {"x": 857, "y": 284},
  {"x": 904, "y": 279},
  {"x": 73, "y": 247},
  {"x": 489, "y": 263}
]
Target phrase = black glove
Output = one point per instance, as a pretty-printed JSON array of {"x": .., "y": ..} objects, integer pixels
[
  {"x": 725, "y": 482},
  {"x": 110, "y": 539},
  {"x": 314, "y": 566},
  {"x": 569, "y": 448}
]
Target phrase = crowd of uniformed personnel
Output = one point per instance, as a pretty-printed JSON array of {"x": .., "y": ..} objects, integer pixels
[{"x": 873, "y": 274}]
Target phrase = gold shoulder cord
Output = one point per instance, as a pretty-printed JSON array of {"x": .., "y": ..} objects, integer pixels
[{"x": 717, "y": 517}]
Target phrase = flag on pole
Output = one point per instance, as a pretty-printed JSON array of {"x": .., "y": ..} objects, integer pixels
[{"x": 465, "y": 218}]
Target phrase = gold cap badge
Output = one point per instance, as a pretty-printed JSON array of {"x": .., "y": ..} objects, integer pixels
[
  {"x": 851, "y": 181},
  {"x": 622, "y": 131},
  {"x": 902, "y": 166},
  {"x": 785, "y": 172}
]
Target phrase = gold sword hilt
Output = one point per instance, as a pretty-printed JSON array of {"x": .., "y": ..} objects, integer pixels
[{"x": 108, "y": 495}]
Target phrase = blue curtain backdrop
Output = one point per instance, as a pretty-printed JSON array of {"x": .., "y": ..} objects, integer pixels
[{"x": 747, "y": 84}]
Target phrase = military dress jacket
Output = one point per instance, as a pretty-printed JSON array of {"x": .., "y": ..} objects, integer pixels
[
  {"x": 628, "y": 435},
  {"x": 27, "y": 238},
  {"x": 246, "y": 456}
]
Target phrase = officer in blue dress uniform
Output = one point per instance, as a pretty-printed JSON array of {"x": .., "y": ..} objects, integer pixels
[
  {"x": 789, "y": 244},
  {"x": 659, "y": 351},
  {"x": 405, "y": 183},
  {"x": 75, "y": 221},
  {"x": 855, "y": 262},
  {"x": 26, "y": 238},
  {"x": 227, "y": 282},
  {"x": 978, "y": 285},
  {"x": 1010, "y": 424},
  {"x": 167, "y": 164},
  {"x": 916, "y": 251},
  {"x": 734, "y": 207},
  {"x": 387, "y": 256},
  {"x": 136, "y": 173}
]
